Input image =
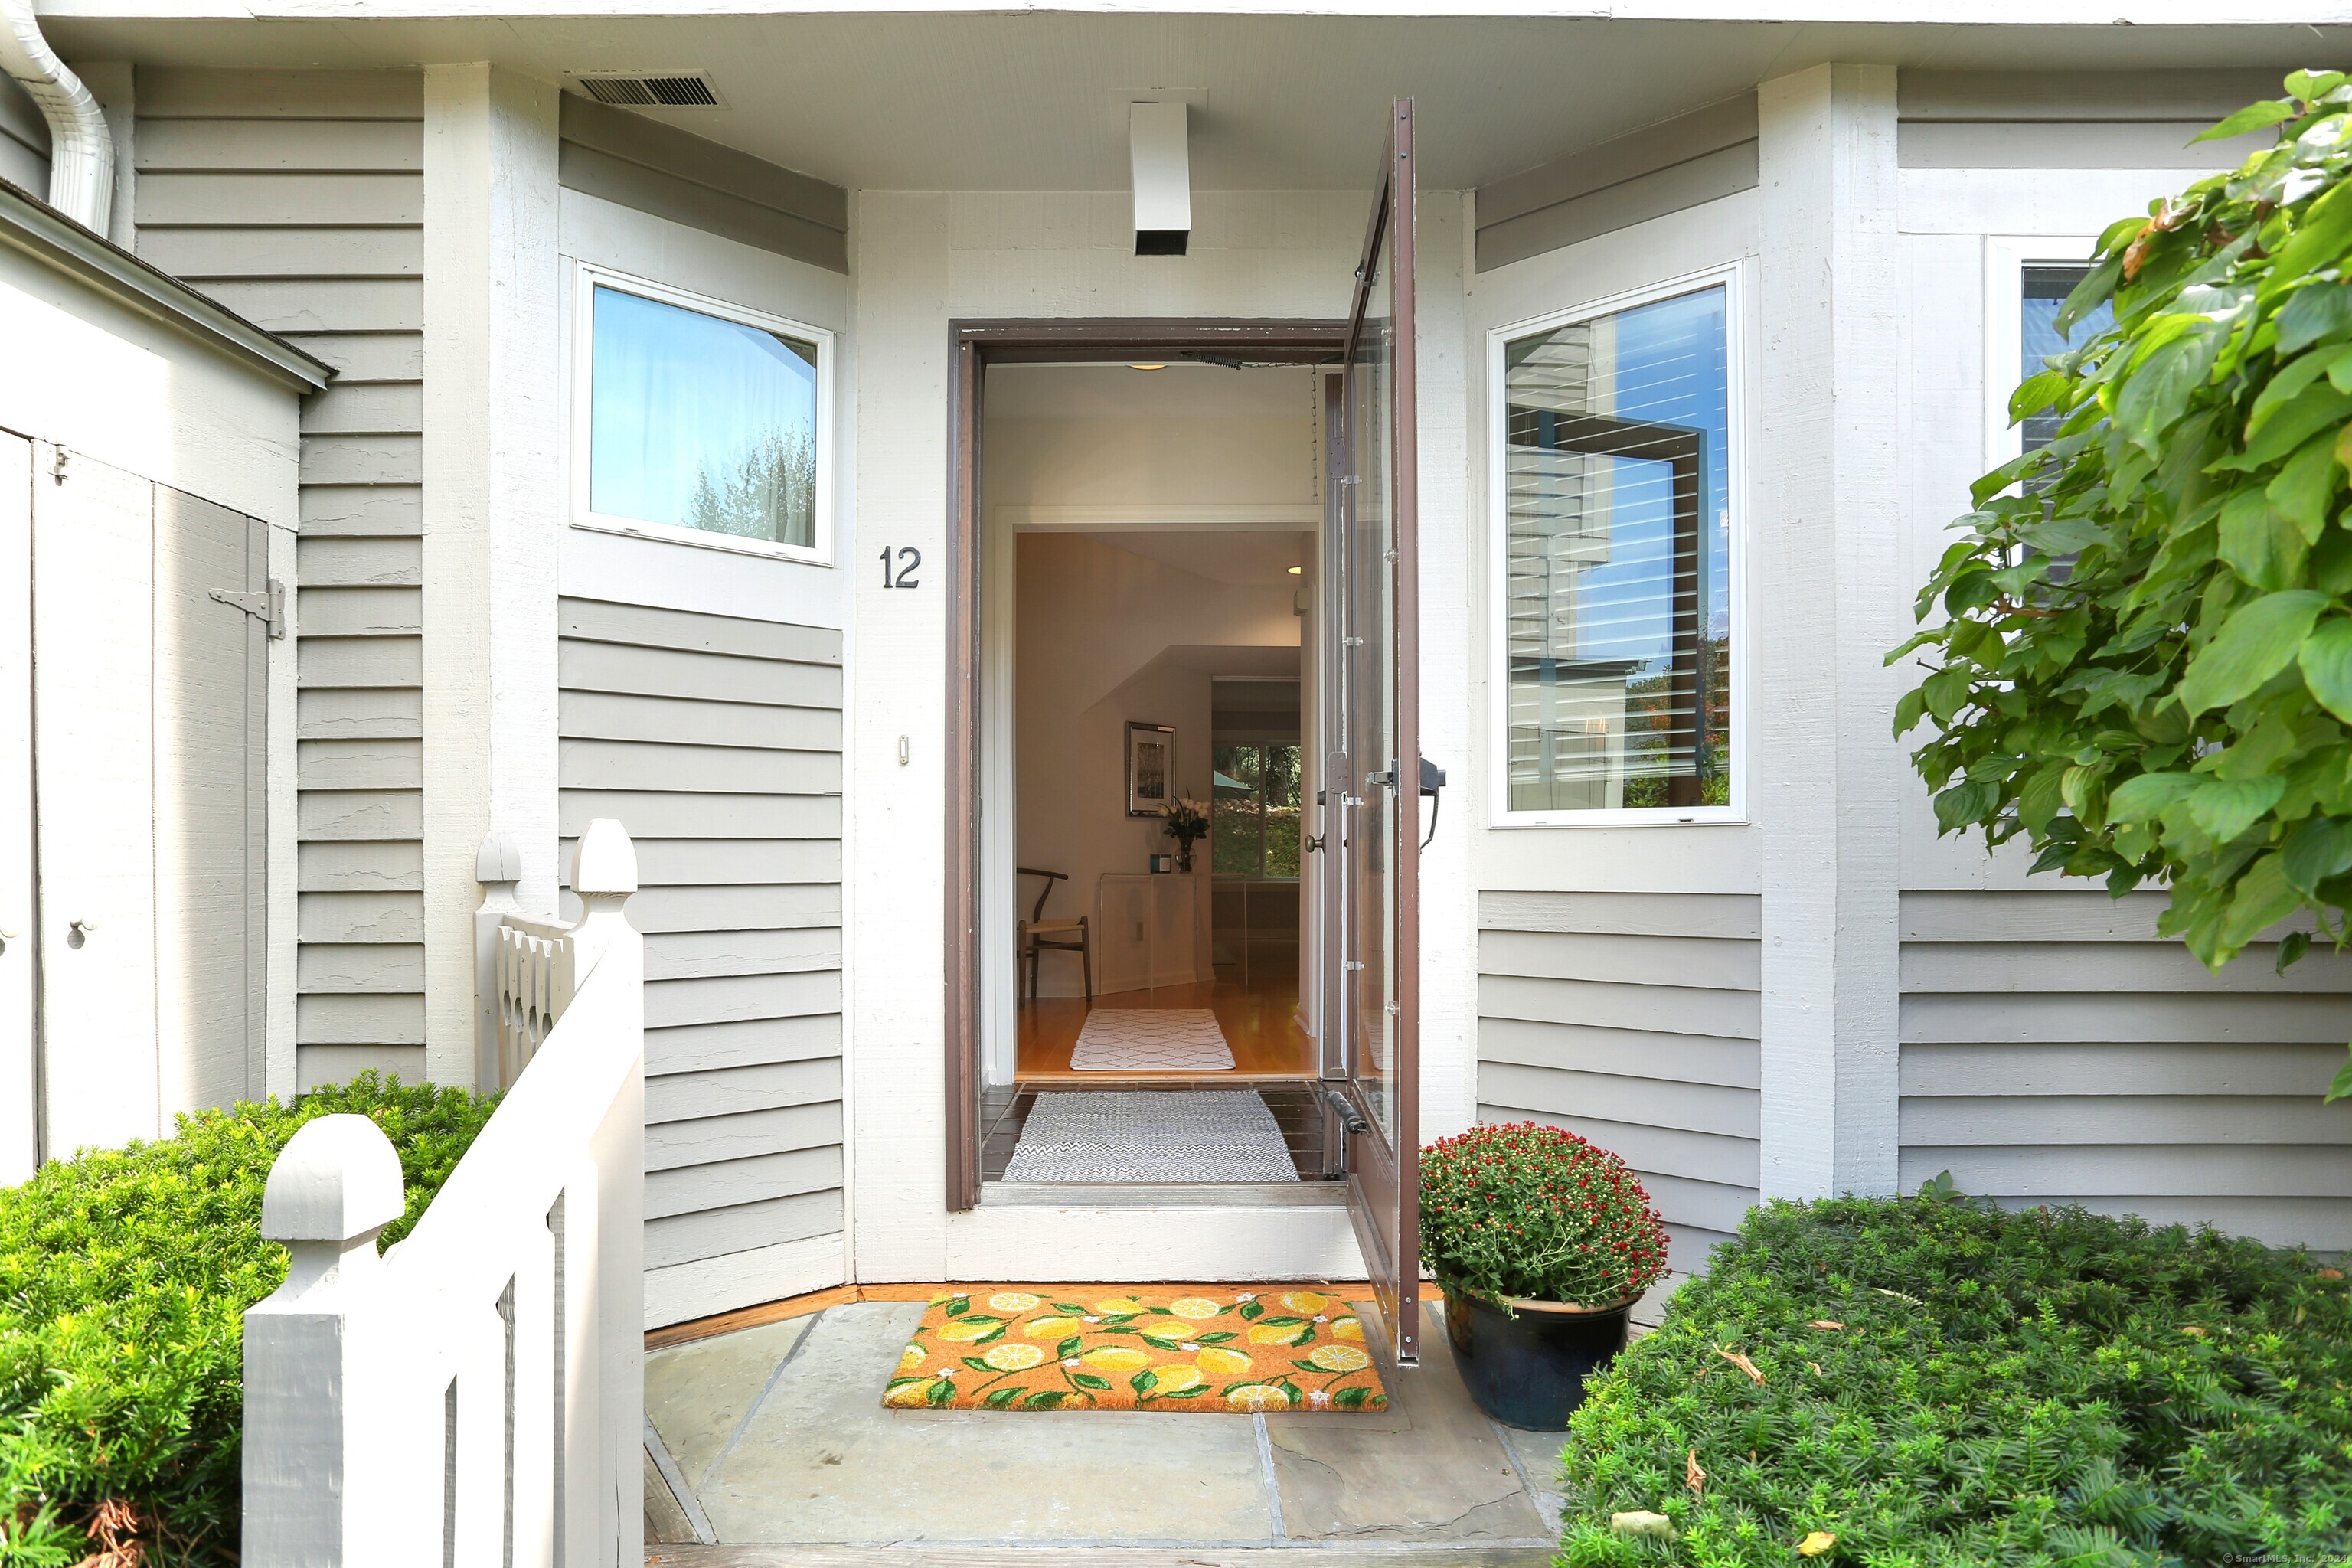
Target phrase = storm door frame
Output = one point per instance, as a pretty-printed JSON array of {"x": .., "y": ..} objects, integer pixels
[{"x": 973, "y": 346}]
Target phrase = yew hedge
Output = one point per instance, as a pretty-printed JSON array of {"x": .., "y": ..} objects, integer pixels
[{"x": 124, "y": 1277}]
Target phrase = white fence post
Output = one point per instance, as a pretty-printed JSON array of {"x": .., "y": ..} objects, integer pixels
[
  {"x": 476, "y": 1398},
  {"x": 498, "y": 866},
  {"x": 335, "y": 1185}
]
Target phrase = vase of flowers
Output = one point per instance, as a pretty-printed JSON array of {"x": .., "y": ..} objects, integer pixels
[
  {"x": 1543, "y": 1243},
  {"x": 1185, "y": 820}
]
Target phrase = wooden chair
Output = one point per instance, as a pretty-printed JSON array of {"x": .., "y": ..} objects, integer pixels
[{"x": 1038, "y": 933}]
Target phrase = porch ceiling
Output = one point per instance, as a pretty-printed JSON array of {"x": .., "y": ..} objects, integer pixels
[{"x": 1035, "y": 100}]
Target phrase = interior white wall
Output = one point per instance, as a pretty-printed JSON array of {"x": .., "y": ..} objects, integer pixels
[
  {"x": 922, "y": 258},
  {"x": 1094, "y": 634}
]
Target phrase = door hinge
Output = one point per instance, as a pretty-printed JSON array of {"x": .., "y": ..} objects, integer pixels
[{"x": 267, "y": 606}]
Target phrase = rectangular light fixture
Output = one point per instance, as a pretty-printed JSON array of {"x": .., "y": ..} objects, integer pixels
[{"x": 1162, "y": 167}]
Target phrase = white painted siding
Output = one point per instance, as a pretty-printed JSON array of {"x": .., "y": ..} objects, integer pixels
[
  {"x": 295, "y": 199},
  {"x": 1632, "y": 1019},
  {"x": 715, "y": 741}
]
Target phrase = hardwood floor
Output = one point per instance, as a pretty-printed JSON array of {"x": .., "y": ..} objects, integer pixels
[{"x": 1259, "y": 1021}]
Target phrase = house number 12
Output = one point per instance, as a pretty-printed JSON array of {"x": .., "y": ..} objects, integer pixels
[{"x": 908, "y": 559}]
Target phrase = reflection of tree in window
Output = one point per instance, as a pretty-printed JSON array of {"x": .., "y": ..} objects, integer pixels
[
  {"x": 1255, "y": 810},
  {"x": 1617, "y": 560},
  {"x": 696, "y": 421},
  {"x": 770, "y": 490}
]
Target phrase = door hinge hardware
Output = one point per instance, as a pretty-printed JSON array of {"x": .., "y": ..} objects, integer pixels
[
  {"x": 1351, "y": 479},
  {"x": 1351, "y": 642},
  {"x": 267, "y": 606},
  {"x": 1355, "y": 963},
  {"x": 1351, "y": 800},
  {"x": 1388, "y": 556},
  {"x": 1345, "y": 1110}
]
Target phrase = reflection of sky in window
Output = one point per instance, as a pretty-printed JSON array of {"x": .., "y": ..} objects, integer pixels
[
  {"x": 1670, "y": 370},
  {"x": 2044, "y": 290},
  {"x": 675, "y": 393}
]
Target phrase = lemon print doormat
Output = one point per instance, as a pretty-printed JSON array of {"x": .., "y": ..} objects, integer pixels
[{"x": 1182, "y": 1348}]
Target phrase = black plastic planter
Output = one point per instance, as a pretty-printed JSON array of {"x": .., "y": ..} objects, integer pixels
[{"x": 1528, "y": 1369}]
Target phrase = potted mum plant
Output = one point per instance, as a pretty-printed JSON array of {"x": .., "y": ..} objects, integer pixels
[{"x": 1543, "y": 1243}]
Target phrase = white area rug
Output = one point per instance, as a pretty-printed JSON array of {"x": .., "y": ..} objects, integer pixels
[
  {"x": 1140, "y": 1039},
  {"x": 1145, "y": 1135}
]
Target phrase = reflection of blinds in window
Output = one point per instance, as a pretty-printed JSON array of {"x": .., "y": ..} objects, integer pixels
[
  {"x": 2044, "y": 290},
  {"x": 1614, "y": 561}
]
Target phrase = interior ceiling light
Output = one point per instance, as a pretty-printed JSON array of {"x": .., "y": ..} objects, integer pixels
[
  {"x": 1293, "y": 571},
  {"x": 1147, "y": 367}
]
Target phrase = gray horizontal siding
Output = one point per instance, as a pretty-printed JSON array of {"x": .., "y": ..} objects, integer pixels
[
  {"x": 639, "y": 163},
  {"x": 1631, "y": 1019},
  {"x": 2055, "y": 1049},
  {"x": 717, "y": 743},
  {"x": 2074, "y": 120},
  {"x": 296, "y": 199},
  {"x": 1697, "y": 157}
]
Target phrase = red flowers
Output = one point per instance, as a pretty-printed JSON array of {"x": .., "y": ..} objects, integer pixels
[{"x": 1521, "y": 1209}]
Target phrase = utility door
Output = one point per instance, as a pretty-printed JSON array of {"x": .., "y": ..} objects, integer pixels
[
  {"x": 1372, "y": 1056},
  {"x": 19, "y": 1078},
  {"x": 94, "y": 778}
]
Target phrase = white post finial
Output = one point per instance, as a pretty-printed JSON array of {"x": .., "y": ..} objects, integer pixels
[
  {"x": 605, "y": 864},
  {"x": 333, "y": 1187}
]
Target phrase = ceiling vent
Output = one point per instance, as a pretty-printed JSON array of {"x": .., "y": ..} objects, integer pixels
[{"x": 651, "y": 90}]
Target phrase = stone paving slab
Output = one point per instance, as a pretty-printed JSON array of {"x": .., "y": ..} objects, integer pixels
[
  {"x": 696, "y": 1394},
  {"x": 823, "y": 1461},
  {"x": 780, "y": 1438}
]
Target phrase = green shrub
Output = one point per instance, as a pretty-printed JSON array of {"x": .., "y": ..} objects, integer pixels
[
  {"x": 1942, "y": 1383},
  {"x": 124, "y": 1277}
]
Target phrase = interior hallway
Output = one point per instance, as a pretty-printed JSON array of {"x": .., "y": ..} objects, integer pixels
[{"x": 1259, "y": 1020}]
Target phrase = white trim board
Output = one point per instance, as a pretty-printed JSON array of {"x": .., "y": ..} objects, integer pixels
[
  {"x": 684, "y": 1291},
  {"x": 2006, "y": 257}
]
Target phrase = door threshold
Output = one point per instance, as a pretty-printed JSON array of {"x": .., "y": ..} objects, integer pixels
[
  {"x": 1164, "y": 1195},
  {"x": 1157, "y": 1080}
]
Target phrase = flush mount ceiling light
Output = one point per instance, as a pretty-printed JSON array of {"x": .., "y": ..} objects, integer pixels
[
  {"x": 1293, "y": 571},
  {"x": 1160, "y": 161},
  {"x": 1147, "y": 367}
]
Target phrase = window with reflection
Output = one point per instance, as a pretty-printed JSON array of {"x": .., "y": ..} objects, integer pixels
[
  {"x": 1617, "y": 559},
  {"x": 697, "y": 421},
  {"x": 2044, "y": 289}
]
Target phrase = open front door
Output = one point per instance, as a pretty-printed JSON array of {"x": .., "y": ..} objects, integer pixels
[{"x": 1373, "y": 1000}]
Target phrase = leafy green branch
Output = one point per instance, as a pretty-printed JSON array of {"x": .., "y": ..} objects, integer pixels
[{"x": 2138, "y": 652}]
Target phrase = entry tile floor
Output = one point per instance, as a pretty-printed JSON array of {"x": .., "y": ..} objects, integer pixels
[{"x": 769, "y": 1447}]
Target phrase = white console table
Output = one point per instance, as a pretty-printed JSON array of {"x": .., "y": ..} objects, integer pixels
[{"x": 1145, "y": 929}]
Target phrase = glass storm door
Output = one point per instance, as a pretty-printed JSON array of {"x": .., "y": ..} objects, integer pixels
[{"x": 1372, "y": 1034}]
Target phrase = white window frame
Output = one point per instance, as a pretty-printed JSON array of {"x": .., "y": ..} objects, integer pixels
[
  {"x": 588, "y": 278},
  {"x": 1726, "y": 277},
  {"x": 2007, "y": 256}
]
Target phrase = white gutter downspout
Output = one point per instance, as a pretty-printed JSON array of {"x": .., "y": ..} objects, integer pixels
[{"x": 81, "y": 151}]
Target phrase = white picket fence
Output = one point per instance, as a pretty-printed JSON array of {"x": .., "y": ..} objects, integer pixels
[{"x": 475, "y": 1399}]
